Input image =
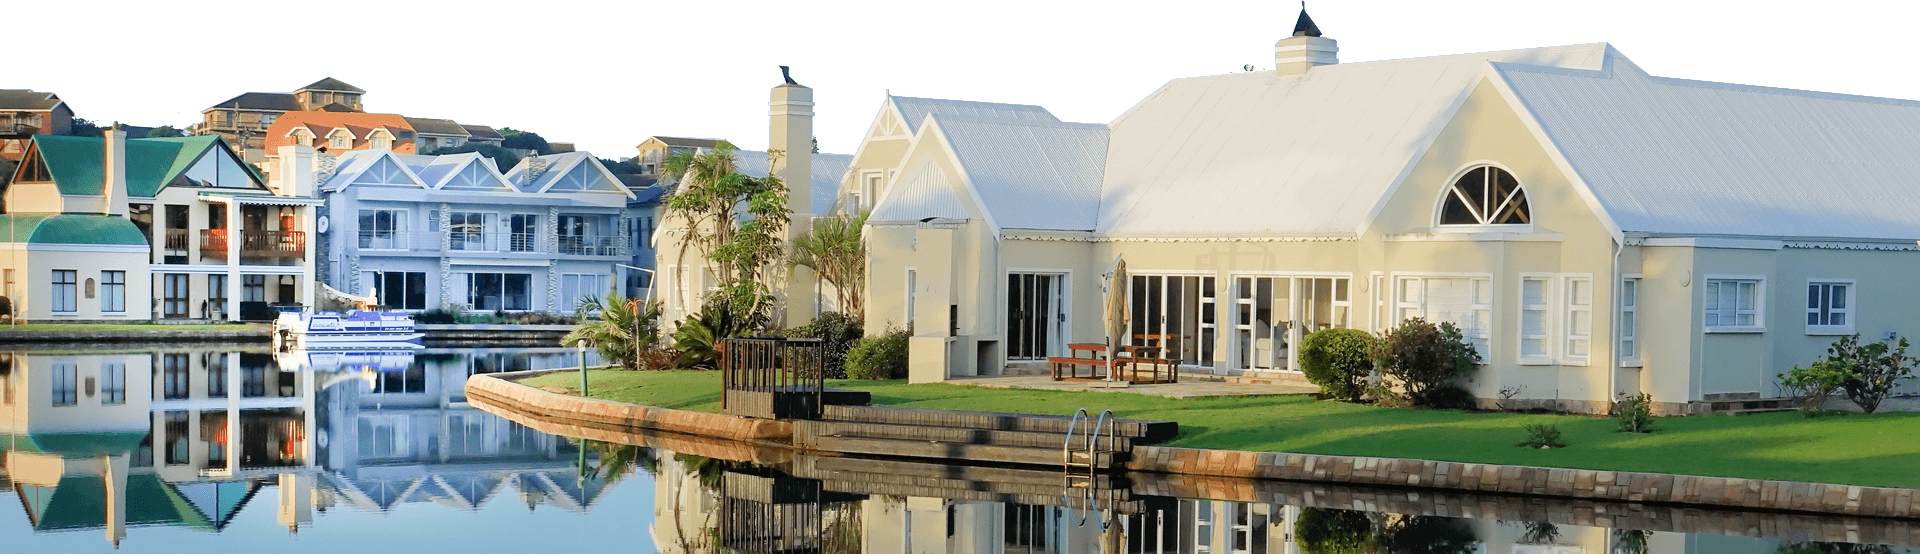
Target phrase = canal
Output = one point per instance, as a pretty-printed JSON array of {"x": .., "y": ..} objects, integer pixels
[{"x": 234, "y": 448}]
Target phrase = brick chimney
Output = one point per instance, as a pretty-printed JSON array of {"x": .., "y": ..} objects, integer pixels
[
  {"x": 113, "y": 185},
  {"x": 1304, "y": 50}
]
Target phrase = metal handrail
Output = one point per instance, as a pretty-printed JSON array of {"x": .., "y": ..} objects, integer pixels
[{"x": 1066, "y": 456}]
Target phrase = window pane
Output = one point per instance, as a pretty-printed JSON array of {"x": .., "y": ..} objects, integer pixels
[
  {"x": 1813, "y": 318},
  {"x": 1630, "y": 293},
  {"x": 1533, "y": 292},
  {"x": 1580, "y": 292},
  {"x": 1533, "y": 322},
  {"x": 1839, "y": 295},
  {"x": 1577, "y": 347},
  {"x": 1746, "y": 296},
  {"x": 1839, "y": 318},
  {"x": 1813, "y": 296}
]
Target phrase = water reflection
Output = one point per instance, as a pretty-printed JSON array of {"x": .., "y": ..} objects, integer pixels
[
  {"x": 111, "y": 440},
  {"x": 232, "y": 441}
]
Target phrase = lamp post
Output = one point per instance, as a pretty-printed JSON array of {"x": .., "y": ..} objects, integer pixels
[{"x": 581, "y": 345}]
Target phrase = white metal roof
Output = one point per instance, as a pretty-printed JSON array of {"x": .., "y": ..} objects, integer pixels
[
  {"x": 827, "y": 170},
  {"x": 1030, "y": 174},
  {"x": 914, "y": 111},
  {"x": 1257, "y": 153},
  {"x": 1672, "y": 156},
  {"x": 922, "y": 192}
]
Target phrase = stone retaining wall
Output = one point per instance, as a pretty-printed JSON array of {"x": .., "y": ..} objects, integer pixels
[
  {"x": 161, "y": 334},
  {"x": 1540, "y": 481},
  {"x": 575, "y": 409}
]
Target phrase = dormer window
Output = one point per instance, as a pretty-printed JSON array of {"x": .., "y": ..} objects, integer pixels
[
  {"x": 382, "y": 140},
  {"x": 1486, "y": 195},
  {"x": 302, "y": 137},
  {"x": 340, "y": 140}
]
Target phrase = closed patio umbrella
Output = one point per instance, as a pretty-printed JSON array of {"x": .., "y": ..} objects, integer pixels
[{"x": 1116, "y": 313}]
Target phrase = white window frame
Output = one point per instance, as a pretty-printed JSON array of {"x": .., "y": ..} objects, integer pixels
[
  {"x": 1758, "y": 310},
  {"x": 1548, "y": 323},
  {"x": 1576, "y": 312},
  {"x": 66, "y": 293},
  {"x": 1628, "y": 323},
  {"x": 913, "y": 293},
  {"x": 1382, "y": 295},
  {"x": 1446, "y": 192},
  {"x": 1474, "y": 280},
  {"x": 1851, "y": 311}
]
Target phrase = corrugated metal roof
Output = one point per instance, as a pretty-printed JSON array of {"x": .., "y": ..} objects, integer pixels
[
  {"x": 827, "y": 170},
  {"x": 921, "y": 193},
  {"x": 914, "y": 110},
  {"x": 1030, "y": 174},
  {"x": 1690, "y": 157},
  {"x": 1257, "y": 153}
]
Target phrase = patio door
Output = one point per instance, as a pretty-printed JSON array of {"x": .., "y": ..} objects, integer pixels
[
  {"x": 1272, "y": 314},
  {"x": 1174, "y": 313},
  {"x": 176, "y": 290},
  {"x": 1036, "y": 315}
]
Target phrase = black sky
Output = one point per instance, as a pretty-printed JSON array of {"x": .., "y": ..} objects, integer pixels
[{"x": 609, "y": 79}]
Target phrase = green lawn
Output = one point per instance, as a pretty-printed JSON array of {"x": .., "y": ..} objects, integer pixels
[
  {"x": 1872, "y": 450},
  {"x": 123, "y": 327}
]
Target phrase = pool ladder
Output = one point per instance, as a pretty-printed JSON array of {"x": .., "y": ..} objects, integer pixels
[{"x": 1087, "y": 484}]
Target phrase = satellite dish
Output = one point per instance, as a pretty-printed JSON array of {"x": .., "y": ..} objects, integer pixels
[{"x": 320, "y": 224}]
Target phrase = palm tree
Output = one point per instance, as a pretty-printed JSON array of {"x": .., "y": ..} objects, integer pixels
[
  {"x": 838, "y": 253},
  {"x": 626, "y": 328}
]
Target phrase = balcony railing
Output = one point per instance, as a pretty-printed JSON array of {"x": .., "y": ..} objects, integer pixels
[
  {"x": 589, "y": 245},
  {"x": 464, "y": 241},
  {"x": 176, "y": 240},
  {"x": 399, "y": 241},
  {"x": 213, "y": 245},
  {"x": 15, "y": 130},
  {"x": 272, "y": 247}
]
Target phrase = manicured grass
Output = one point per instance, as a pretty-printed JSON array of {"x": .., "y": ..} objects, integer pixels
[
  {"x": 1872, "y": 450},
  {"x": 123, "y": 327}
]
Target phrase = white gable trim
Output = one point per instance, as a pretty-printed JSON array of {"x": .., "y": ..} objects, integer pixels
[
  {"x": 930, "y": 127},
  {"x": 1532, "y": 121},
  {"x": 349, "y": 133},
  {"x": 588, "y": 159},
  {"x": 1425, "y": 144},
  {"x": 473, "y": 158},
  {"x": 347, "y": 179}
]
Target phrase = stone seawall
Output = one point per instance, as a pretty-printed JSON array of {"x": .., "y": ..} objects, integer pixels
[
  {"x": 592, "y": 411},
  {"x": 1658, "y": 488},
  {"x": 161, "y": 334}
]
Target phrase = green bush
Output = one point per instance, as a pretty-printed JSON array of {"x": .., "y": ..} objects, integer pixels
[
  {"x": 838, "y": 331},
  {"x": 881, "y": 357},
  {"x": 1427, "y": 359},
  {"x": 1334, "y": 531},
  {"x": 1873, "y": 369},
  {"x": 1635, "y": 413},
  {"x": 1541, "y": 435},
  {"x": 1339, "y": 360},
  {"x": 1811, "y": 386},
  {"x": 698, "y": 336}
]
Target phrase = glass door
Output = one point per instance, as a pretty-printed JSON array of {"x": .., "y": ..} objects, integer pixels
[
  {"x": 1272, "y": 314},
  {"x": 1036, "y": 315},
  {"x": 176, "y": 295},
  {"x": 1173, "y": 313}
]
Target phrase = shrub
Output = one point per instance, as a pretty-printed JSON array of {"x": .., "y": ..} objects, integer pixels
[
  {"x": 698, "y": 336},
  {"x": 626, "y": 332},
  {"x": 1334, "y": 531},
  {"x": 1635, "y": 413},
  {"x": 1339, "y": 360},
  {"x": 881, "y": 357},
  {"x": 839, "y": 332},
  {"x": 1873, "y": 369},
  {"x": 444, "y": 315},
  {"x": 1811, "y": 386},
  {"x": 1541, "y": 435},
  {"x": 1426, "y": 359}
]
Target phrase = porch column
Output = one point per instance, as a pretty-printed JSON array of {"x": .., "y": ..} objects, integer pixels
[
  {"x": 305, "y": 291},
  {"x": 234, "y": 235}
]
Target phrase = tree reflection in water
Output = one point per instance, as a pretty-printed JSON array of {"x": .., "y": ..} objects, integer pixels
[{"x": 1329, "y": 531}]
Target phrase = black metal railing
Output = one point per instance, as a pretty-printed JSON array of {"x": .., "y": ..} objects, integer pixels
[{"x": 777, "y": 378}]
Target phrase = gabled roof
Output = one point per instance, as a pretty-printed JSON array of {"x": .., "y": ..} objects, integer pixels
[
  {"x": 1681, "y": 157},
  {"x": 481, "y": 132},
  {"x": 440, "y": 171},
  {"x": 74, "y": 229},
  {"x": 78, "y": 168},
  {"x": 436, "y": 126},
  {"x": 683, "y": 141},
  {"x": 1255, "y": 153},
  {"x": 913, "y": 111},
  {"x": 922, "y": 192},
  {"x": 264, "y": 101},
  {"x": 558, "y": 166},
  {"x": 321, "y": 124},
  {"x": 331, "y": 85},
  {"x": 827, "y": 171},
  {"x": 354, "y": 163},
  {"x": 1029, "y": 174},
  {"x": 27, "y": 100}
]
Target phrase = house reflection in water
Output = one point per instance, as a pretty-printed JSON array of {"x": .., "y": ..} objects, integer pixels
[{"x": 111, "y": 440}]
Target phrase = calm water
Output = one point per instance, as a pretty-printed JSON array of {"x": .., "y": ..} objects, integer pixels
[{"x": 230, "y": 449}]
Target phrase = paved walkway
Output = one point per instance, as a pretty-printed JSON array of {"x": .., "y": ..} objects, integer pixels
[{"x": 1183, "y": 389}]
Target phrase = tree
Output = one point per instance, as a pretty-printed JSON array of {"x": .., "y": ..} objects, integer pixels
[
  {"x": 1428, "y": 360},
  {"x": 625, "y": 332},
  {"x": 708, "y": 199},
  {"x": 835, "y": 250},
  {"x": 1875, "y": 369},
  {"x": 165, "y": 131},
  {"x": 513, "y": 138},
  {"x": 626, "y": 165},
  {"x": 501, "y": 157},
  {"x": 83, "y": 127}
]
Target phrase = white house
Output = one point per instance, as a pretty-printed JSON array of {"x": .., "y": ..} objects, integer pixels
[{"x": 1595, "y": 230}]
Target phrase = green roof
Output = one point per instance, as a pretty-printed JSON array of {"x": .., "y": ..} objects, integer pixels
[
  {"x": 74, "y": 445},
  {"x": 77, "y": 162},
  {"x": 92, "y": 229},
  {"x": 80, "y": 502}
]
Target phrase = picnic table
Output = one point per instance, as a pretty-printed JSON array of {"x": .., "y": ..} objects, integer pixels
[{"x": 1135, "y": 364}]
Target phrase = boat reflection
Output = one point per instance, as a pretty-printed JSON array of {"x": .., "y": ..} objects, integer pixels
[{"x": 112, "y": 440}]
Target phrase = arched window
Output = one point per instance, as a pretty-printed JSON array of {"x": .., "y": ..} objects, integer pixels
[{"x": 1486, "y": 196}]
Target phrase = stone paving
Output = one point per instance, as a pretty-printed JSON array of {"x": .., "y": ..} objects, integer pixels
[{"x": 1183, "y": 389}]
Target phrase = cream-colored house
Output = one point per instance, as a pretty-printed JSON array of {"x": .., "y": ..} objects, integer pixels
[{"x": 1594, "y": 230}]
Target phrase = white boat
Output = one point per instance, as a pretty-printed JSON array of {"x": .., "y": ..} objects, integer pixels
[
  {"x": 354, "y": 329},
  {"x": 350, "y": 360}
]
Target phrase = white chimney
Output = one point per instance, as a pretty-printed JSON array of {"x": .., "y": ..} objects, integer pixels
[
  {"x": 1304, "y": 50},
  {"x": 113, "y": 186},
  {"x": 297, "y": 175},
  {"x": 790, "y": 131}
]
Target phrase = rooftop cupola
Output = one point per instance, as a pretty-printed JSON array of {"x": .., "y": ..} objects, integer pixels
[{"x": 1296, "y": 54}]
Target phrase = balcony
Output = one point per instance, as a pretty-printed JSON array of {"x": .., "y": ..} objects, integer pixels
[
  {"x": 213, "y": 245},
  {"x": 10, "y": 129},
  {"x": 465, "y": 241},
  {"x": 589, "y": 245},
  {"x": 273, "y": 247},
  {"x": 176, "y": 240},
  {"x": 399, "y": 241}
]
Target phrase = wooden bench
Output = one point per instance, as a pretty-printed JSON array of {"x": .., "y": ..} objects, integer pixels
[{"x": 1072, "y": 367}]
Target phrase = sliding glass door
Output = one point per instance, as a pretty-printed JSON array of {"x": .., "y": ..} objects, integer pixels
[
  {"x": 1175, "y": 314},
  {"x": 1036, "y": 315},
  {"x": 1272, "y": 314}
]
